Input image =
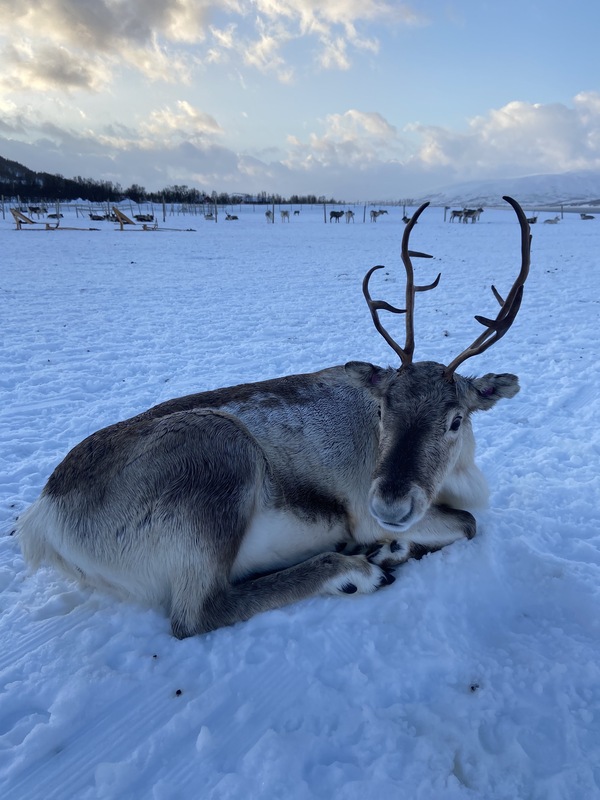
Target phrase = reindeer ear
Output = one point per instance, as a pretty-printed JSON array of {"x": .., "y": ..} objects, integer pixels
[
  {"x": 368, "y": 376},
  {"x": 485, "y": 392}
]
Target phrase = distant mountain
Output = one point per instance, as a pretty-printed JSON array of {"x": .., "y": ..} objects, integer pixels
[{"x": 568, "y": 188}]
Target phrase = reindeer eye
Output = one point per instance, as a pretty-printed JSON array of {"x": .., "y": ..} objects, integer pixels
[{"x": 456, "y": 423}]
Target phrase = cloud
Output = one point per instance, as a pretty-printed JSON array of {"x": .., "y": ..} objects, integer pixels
[
  {"x": 185, "y": 124},
  {"x": 353, "y": 139},
  {"x": 69, "y": 44},
  {"x": 25, "y": 68},
  {"x": 352, "y": 155},
  {"x": 82, "y": 46},
  {"x": 334, "y": 25},
  {"x": 518, "y": 139},
  {"x": 264, "y": 52}
]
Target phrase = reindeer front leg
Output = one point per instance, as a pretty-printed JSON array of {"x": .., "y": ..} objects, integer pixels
[{"x": 440, "y": 527}]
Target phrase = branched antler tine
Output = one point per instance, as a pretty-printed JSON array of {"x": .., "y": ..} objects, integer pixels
[
  {"x": 497, "y": 295},
  {"x": 525, "y": 249},
  {"x": 416, "y": 254},
  {"x": 429, "y": 286},
  {"x": 377, "y": 305},
  {"x": 409, "y": 346},
  {"x": 383, "y": 305},
  {"x": 496, "y": 328}
]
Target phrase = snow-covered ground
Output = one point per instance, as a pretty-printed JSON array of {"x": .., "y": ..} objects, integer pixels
[{"x": 475, "y": 676}]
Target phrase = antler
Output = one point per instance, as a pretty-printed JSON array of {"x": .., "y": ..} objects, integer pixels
[
  {"x": 496, "y": 328},
  {"x": 406, "y": 352}
]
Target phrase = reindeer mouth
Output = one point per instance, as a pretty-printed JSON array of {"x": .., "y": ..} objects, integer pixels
[{"x": 397, "y": 525}]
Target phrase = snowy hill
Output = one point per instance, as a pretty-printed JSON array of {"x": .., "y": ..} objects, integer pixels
[{"x": 570, "y": 188}]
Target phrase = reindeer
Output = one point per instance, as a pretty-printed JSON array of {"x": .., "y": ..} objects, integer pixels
[
  {"x": 456, "y": 215},
  {"x": 335, "y": 215},
  {"x": 472, "y": 214},
  {"x": 349, "y": 216},
  {"x": 269, "y": 216},
  {"x": 285, "y": 215},
  {"x": 375, "y": 214},
  {"x": 227, "y": 503}
]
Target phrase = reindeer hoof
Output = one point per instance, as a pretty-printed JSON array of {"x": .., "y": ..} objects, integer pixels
[
  {"x": 390, "y": 555},
  {"x": 387, "y": 578}
]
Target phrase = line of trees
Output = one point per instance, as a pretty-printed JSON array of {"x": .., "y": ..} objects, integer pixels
[{"x": 17, "y": 181}]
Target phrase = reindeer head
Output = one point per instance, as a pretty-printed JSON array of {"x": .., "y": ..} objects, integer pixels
[{"x": 426, "y": 438}]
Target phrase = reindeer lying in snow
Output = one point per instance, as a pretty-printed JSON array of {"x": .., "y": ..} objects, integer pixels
[{"x": 223, "y": 504}]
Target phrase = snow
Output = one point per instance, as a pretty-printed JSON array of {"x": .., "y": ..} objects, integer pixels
[{"x": 475, "y": 676}]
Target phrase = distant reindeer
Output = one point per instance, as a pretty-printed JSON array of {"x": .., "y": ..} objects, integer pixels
[
  {"x": 269, "y": 216},
  {"x": 230, "y": 217},
  {"x": 587, "y": 216},
  {"x": 472, "y": 214},
  {"x": 349, "y": 216},
  {"x": 552, "y": 221},
  {"x": 375, "y": 214},
  {"x": 227, "y": 503},
  {"x": 285, "y": 215},
  {"x": 335, "y": 215},
  {"x": 456, "y": 215}
]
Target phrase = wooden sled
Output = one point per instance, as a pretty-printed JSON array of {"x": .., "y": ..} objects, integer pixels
[
  {"x": 22, "y": 219},
  {"x": 124, "y": 220}
]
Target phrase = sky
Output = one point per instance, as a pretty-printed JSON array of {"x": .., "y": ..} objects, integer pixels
[{"x": 352, "y": 99}]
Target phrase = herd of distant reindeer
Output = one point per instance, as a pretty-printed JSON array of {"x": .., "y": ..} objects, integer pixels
[
  {"x": 463, "y": 215},
  {"x": 334, "y": 216}
]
